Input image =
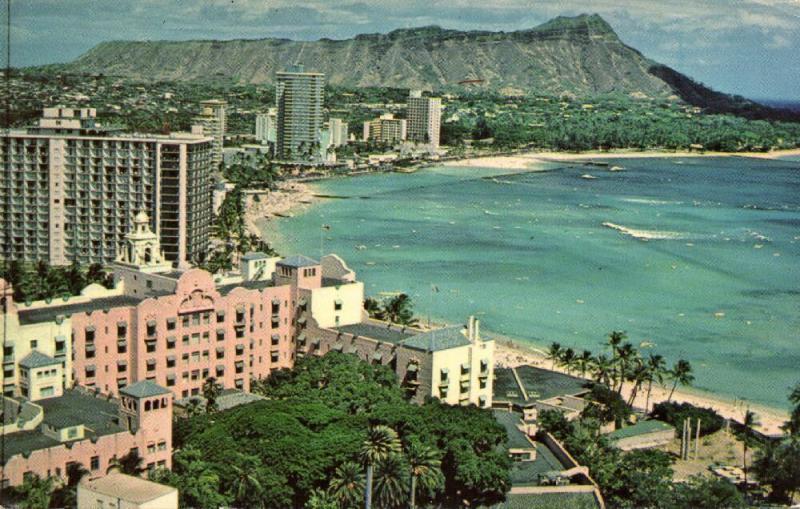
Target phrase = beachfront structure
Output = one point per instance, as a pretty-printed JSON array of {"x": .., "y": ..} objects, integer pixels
[
  {"x": 212, "y": 119},
  {"x": 424, "y": 119},
  {"x": 117, "y": 491},
  {"x": 71, "y": 189},
  {"x": 543, "y": 473},
  {"x": 80, "y": 427},
  {"x": 453, "y": 364},
  {"x": 267, "y": 126},
  {"x": 299, "y": 99},
  {"x": 530, "y": 390},
  {"x": 386, "y": 129},
  {"x": 338, "y": 129}
]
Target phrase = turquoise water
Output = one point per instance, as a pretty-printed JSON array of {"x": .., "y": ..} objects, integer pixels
[{"x": 718, "y": 283}]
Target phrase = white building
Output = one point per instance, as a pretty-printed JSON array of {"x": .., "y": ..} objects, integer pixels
[
  {"x": 267, "y": 126},
  {"x": 424, "y": 119},
  {"x": 386, "y": 129},
  {"x": 212, "y": 119},
  {"x": 120, "y": 491}
]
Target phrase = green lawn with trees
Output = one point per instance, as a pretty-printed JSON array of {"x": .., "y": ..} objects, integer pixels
[
  {"x": 330, "y": 427},
  {"x": 40, "y": 280}
]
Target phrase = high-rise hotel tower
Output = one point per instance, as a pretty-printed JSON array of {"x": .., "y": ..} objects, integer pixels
[
  {"x": 212, "y": 118},
  {"x": 70, "y": 189},
  {"x": 298, "y": 96},
  {"x": 424, "y": 119}
]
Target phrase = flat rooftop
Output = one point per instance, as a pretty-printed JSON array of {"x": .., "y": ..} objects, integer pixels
[
  {"x": 377, "y": 331},
  {"x": 128, "y": 488},
  {"x": 250, "y": 285},
  {"x": 49, "y": 313},
  {"x": 563, "y": 500},
  {"x": 510, "y": 421},
  {"x": 539, "y": 384},
  {"x": 99, "y": 416},
  {"x": 640, "y": 428}
]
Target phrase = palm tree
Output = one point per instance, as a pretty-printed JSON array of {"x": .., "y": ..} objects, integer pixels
[
  {"x": 399, "y": 309},
  {"x": 391, "y": 481},
  {"x": 554, "y": 354},
  {"x": 246, "y": 487},
  {"x": 583, "y": 362},
  {"x": 347, "y": 485},
  {"x": 373, "y": 308},
  {"x": 792, "y": 426},
  {"x": 657, "y": 369},
  {"x": 638, "y": 375},
  {"x": 626, "y": 354},
  {"x": 211, "y": 391},
  {"x": 567, "y": 360},
  {"x": 130, "y": 463},
  {"x": 36, "y": 492},
  {"x": 681, "y": 373},
  {"x": 749, "y": 422},
  {"x": 425, "y": 468},
  {"x": 615, "y": 339},
  {"x": 381, "y": 442},
  {"x": 603, "y": 369}
]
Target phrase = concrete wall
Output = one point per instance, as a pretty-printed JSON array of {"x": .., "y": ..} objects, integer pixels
[
  {"x": 324, "y": 301},
  {"x": 646, "y": 441}
]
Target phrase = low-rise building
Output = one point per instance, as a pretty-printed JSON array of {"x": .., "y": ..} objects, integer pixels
[
  {"x": 121, "y": 491},
  {"x": 642, "y": 435},
  {"x": 453, "y": 364},
  {"x": 386, "y": 129},
  {"x": 86, "y": 428}
]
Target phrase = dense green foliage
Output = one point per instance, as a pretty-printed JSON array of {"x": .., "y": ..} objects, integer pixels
[
  {"x": 641, "y": 478},
  {"x": 609, "y": 122},
  {"x": 777, "y": 464},
  {"x": 675, "y": 413},
  {"x": 312, "y": 431},
  {"x": 42, "y": 281},
  {"x": 397, "y": 309},
  {"x": 543, "y": 122}
]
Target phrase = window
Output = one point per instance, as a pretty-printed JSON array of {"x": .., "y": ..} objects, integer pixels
[
  {"x": 89, "y": 334},
  {"x": 171, "y": 361},
  {"x": 95, "y": 463},
  {"x": 151, "y": 346},
  {"x": 170, "y": 342},
  {"x": 151, "y": 328},
  {"x": 162, "y": 446},
  {"x": 220, "y": 335},
  {"x": 337, "y": 305},
  {"x": 151, "y": 448},
  {"x": 89, "y": 371},
  {"x": 122, "y": 330},
  {"x": 239, "y": 333},
  {"x": 274, "y": 357},
  {"x": 239, "y": 349},
  {"x": 220, "y": 316},
  {"x": 171, "y": 322},
  {"x": 34, "y": 344},
  {"x": 195, "y": 318},
  {"x": 185, "y": 320}
]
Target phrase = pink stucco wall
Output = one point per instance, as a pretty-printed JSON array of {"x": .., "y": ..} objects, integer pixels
[
  {"x": 197, "y": 300},
  {"x": 152, "y": 437}
]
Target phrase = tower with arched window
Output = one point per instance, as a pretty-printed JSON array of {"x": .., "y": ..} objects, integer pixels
[{"x": 141, "y": 249}]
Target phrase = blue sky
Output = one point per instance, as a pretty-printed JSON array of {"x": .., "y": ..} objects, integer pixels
[{"x": 747, "y": 47}]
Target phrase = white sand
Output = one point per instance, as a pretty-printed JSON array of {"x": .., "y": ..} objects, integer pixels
[
  {"x": 528, "y": 161},
  {"x": 287, "y": 198}
]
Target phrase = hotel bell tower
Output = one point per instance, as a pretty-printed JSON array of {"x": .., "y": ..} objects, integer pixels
[{"x": 141, "y": 249}]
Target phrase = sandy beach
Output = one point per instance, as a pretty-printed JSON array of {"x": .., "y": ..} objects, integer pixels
[
  {"x": 287, "y": 198},
  {"x": 508, "y": 355},
  {"x": 528, "y": 161}
]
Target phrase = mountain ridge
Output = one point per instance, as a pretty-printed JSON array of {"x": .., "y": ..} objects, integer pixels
[{"x": 579, "y": 56}]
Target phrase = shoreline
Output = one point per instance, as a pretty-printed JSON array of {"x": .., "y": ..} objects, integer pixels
[
  {"x": 288, "y": 197},
  {"x": 511, "y": 353},
  {"x": 528, "y": 159},
  {"x": 292, "y": 195}
]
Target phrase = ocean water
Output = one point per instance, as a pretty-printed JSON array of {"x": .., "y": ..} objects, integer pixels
[{"x": 699, "y": 258}]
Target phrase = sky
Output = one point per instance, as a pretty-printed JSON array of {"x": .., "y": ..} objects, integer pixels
[{"x": 746, "y": 47}]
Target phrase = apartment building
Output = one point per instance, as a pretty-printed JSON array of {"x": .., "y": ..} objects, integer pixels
[
  {"x": 267, "y": 126},
  {"x": 70, "y": 189},
  {"x": 299, "y": 99},
  {"x": 212, "y": 119},
  {"x": 424, "y": 119},
  {"x": 386, "y": 129}
]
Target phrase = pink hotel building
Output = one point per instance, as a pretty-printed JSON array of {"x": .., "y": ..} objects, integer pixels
[{"x": 159, "y": 334}]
